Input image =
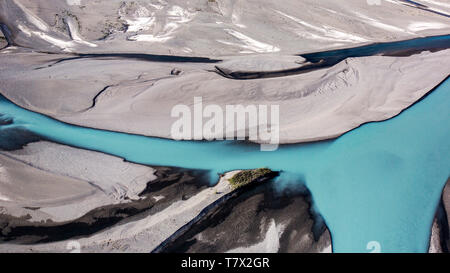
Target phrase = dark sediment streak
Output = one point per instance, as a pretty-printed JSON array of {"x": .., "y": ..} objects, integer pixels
[
  {"x": 245, "y": 75},
  {"x": 3, "y": 43},
  {"x": 173, "y": 184},
  {"x": 319, "y": 60},
  {"x": 242, "y": 218}
]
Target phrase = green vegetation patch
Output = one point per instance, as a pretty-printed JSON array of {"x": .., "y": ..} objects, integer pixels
[{"x": 246, "y": 177}]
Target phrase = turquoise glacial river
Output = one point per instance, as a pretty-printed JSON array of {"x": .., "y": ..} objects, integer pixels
[{"x": 380, "y": 182}]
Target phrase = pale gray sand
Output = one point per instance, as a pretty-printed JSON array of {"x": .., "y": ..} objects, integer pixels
[
  {"x": 141, "y": 235},
  {"x": 214, "y": 28},
  {"x": 137, "y": 97},
  {"x": 441, "y": 6},
  {"x": 27, "y": 190},
  {"x": 446, "y": 199}
]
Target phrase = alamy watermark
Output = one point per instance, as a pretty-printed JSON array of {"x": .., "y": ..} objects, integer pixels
[{"x": 256, "y": 123}]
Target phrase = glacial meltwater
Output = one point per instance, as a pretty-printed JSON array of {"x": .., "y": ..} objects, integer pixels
[{"x": 377, "y": 187}]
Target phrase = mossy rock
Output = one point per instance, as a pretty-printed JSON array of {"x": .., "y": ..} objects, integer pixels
[{"x": 246, "y": 177}]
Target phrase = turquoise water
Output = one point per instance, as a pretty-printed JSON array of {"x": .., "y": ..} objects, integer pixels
[
  {"x": 380, "y": 182},
  {"x": 332, "y": 57}
]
